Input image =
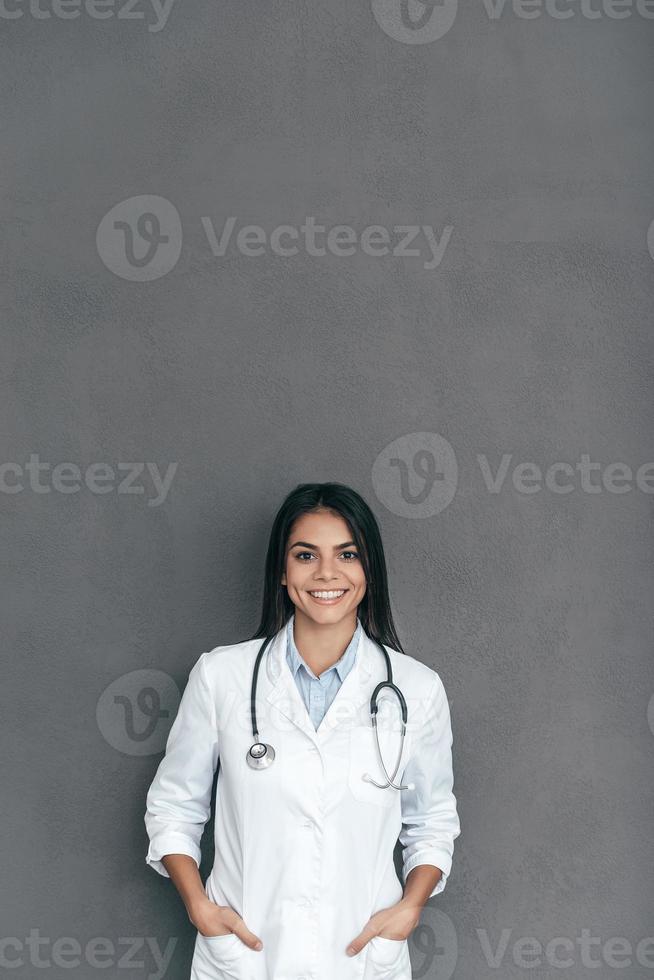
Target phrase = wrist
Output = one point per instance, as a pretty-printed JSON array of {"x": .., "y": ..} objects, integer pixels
[
  {"x": 196, "y": 905},
  {"x": 411, "y": 902}
]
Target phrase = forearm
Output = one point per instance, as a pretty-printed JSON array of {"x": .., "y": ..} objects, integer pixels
[
  {"x": 420, "y": 883},
  {"x": 185, "y": 875}
]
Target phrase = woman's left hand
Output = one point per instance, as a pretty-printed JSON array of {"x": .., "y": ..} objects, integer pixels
[{"x": 396, "y": 922}]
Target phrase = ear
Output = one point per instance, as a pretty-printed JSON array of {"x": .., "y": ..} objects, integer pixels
[{"x": 283, "y": 578}]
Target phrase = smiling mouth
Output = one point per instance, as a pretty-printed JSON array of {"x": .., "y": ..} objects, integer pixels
[{"x": 327, "y": 595}]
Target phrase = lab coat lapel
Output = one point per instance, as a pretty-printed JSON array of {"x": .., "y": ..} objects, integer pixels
[
  {"x": 284, "y": 695},
  {"x": 353, "y": 692}
]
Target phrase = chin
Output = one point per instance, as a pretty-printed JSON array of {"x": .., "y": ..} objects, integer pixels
[{"x": 331, "y": 614}]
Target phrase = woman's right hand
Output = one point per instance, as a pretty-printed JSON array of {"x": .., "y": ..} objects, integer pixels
[{"x": 213, "y": 920}]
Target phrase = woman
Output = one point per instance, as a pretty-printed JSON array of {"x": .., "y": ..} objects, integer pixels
[{"x": 303, "y": 885}]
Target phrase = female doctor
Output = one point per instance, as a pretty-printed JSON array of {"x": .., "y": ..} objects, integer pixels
[{"x": 317, "y": 778}]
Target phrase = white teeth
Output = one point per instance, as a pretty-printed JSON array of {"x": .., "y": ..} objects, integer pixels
[{"x": 327, "y": 595}]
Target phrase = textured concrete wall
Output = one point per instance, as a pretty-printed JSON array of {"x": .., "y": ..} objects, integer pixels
[{"x": 485, "y": 307}]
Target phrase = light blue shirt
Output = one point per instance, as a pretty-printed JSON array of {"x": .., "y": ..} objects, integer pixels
[{"x": 319, "y": 692}]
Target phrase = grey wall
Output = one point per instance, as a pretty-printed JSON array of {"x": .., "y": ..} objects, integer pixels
[{"x": 523, "y": 139}]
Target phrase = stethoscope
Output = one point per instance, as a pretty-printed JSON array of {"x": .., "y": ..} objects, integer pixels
[{"x": 260, "y": 755}]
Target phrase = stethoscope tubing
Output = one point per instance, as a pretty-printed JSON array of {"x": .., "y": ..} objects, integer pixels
[{"x": 261, "y": 755}]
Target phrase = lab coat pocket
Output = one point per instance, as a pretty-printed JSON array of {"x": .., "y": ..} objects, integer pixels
[
  {"x": 389, "y": 957},
  {"x": 364, "y": 759},
  {"x": 217, "y": 956}
]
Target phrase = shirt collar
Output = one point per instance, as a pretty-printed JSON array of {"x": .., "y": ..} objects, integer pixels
[{"x": 343, "y": 665}]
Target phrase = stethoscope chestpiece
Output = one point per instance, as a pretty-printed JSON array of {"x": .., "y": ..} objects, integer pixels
[{"x": 260, "y": 755}]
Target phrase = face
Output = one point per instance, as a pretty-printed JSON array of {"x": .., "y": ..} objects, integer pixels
[{"x": 321, "y": 557}]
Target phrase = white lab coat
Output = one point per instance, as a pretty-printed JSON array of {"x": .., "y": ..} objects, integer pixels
[{"x": 304, "y": 848}]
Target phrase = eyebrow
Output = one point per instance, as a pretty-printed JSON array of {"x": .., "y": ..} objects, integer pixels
[{"x": 305, "y": 544}]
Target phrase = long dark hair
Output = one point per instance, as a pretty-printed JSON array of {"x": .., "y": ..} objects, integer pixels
[{"x": 374, "y": 610}]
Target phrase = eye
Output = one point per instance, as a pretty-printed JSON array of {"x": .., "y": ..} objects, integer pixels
[
  {"x": 299, "y": 554},
  {"x": 352, "y": 553}
]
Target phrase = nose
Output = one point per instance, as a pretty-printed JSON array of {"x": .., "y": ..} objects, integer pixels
[{"x": 326, "y": 571}]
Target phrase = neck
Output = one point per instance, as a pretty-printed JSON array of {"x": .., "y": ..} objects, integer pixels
[{"x": 322, "y": 644}]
